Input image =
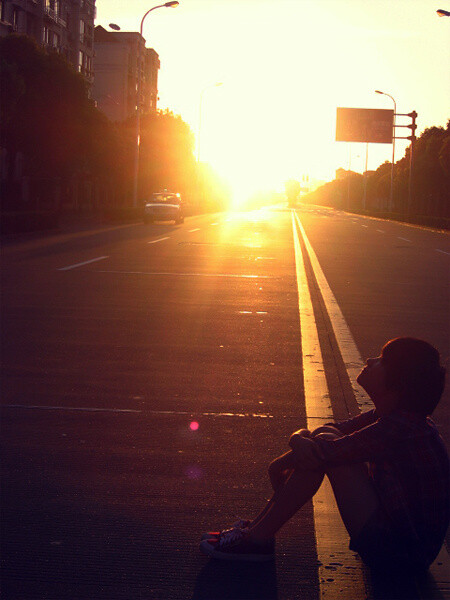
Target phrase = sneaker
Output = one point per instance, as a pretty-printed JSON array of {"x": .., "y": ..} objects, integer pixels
[
  {"x": 214, "y": 535},
  {"x": 235, "y": 545}
]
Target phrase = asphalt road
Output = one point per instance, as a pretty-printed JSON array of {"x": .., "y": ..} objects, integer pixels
[{"x": 150, "y": 373}]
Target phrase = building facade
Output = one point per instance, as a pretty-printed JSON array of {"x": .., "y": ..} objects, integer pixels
[
  {"x": 67, "y": 26},
  {"x": 118, "y": 56}
]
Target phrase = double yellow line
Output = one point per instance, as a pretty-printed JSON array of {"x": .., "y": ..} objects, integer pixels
[{"x": 341, "y": 573}]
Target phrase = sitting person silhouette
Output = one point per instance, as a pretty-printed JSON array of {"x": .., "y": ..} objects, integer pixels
[{"x": 388, "y": 467}]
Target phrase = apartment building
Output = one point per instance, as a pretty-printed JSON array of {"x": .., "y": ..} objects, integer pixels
[
  {"x": 64, "y": 25},
  {"x": 118, "y": 56}
]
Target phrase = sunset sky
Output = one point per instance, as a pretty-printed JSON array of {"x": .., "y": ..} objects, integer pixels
[{"x": 285, "y": 66}]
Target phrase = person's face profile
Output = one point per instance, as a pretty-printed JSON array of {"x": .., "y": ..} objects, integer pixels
[{"x": 373, "y": 379}]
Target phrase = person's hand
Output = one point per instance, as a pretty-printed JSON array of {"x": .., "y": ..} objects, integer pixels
[
  {"x": 303, "y": 433},
  {"x": 306, "y": 452},
  {"x": 280, "y": 470}
]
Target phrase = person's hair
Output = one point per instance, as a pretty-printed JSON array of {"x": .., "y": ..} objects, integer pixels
[{"x": 413, "y": 370}]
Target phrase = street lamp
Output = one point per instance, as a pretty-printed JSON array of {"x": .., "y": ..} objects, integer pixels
[
  {"x": 208, "y": 87},
  {"x": 391, "y": 197},
  {"x": 138, "y": 102}
]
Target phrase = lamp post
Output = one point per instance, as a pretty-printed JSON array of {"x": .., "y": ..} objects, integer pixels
[
  {"x": 138, "y": 101},
  {"x": 208, "y": 87},
  {"x": 391, "y": 196}
]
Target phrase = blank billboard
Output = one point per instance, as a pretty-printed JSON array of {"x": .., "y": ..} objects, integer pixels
[{"x": 364, "y": 125}]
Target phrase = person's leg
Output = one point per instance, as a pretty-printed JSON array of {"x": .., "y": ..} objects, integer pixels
[
  {"x": 355, "y": 496},
  {"x": 354, "y": 492},
  {"x": 323, "y": 429},
  {"x": 286, "y": 501}
]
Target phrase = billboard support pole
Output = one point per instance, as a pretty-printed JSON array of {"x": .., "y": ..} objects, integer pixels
[
  {"x": 365, "y": 178},
  {"x": 413, "y": 116},
  {"x": 348, "y": 176},
  {"x": 391, "y": 197}
]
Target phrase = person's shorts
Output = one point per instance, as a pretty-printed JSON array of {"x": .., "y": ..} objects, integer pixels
[{"x": 380, "y": 548}]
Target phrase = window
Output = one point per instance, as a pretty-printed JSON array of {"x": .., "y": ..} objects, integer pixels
[
  {"x": 46, "y": 35},
  {"x": 15, "y": 19}
]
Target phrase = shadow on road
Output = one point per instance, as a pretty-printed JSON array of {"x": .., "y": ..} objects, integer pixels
[{"x": 236, "y": 581}]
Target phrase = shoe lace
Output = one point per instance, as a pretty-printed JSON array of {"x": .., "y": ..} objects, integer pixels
[
  {"x": 231, "y": 536},
  {"x": 241, "y": 523}
]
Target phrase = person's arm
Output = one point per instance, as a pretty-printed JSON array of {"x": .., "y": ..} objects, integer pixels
[
  {"x": 306, "y": 453},
  {"x": 355, "y": 423},
  {"x": 374, "y": 441}
]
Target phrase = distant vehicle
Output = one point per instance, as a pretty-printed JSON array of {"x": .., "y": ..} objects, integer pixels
[
  {"x": 164, "y": 206},
  {"x": 292, "y": 189}
]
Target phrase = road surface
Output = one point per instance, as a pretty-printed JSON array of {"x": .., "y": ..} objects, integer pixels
[{"x": 150, "y": 373}]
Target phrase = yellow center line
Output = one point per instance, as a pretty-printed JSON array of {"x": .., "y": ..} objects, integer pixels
[
  {"x": 336, "y": 580},
  {"x": 347, "y": 346}
]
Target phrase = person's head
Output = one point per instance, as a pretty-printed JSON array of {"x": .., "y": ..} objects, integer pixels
[{"x": 407, "y": 375}]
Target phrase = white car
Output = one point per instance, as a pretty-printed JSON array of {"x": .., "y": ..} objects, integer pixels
[{"x": 164, "y": 206}]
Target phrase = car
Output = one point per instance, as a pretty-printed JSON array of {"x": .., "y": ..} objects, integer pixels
[{"x": 164, "y": 206}]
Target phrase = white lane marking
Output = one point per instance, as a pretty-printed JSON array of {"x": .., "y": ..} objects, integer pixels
[
  {"x": 139, "y": 411},
  {"x": 158, "y": 240},
  {"x": 443, "y": 251},
  {"x": 380, "y": 231},
  {"x": 86, "y": 262},
  {"x": 404, "y": 239},
  {"x": 347, "y": 346},
  {"x": 366, "y": 226},
  {"x": 331, "y": 535},
  {"x": 214, "y": 223},
  {"x": 191, "y": 274},
  {"x": 72, "y": 408},
  {"x": 192, "y": 230}
]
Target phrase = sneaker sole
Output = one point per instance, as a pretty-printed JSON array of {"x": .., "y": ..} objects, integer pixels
[
  {"x": 210, "y": 535},
  {"x": 210, "y": 551}
]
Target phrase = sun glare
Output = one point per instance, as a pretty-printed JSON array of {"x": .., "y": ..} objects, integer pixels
[
  {"x": 286, "y": 66},
  {"x": 273, "y": 119}
]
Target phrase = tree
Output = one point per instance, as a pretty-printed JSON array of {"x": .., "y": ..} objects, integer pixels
[
  {"x": 430, "y": 182},
  {"x": 167, "y": 153},
  {"x": 47, "y": 106},
  {"x": 49, "y": 119}
]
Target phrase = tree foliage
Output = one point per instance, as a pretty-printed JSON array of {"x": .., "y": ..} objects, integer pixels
[
  {"x": 429, "y": 199},
  {"x": 167, "y": 153},
  {"x": 48, "y": 117},
  {"x": 46, "y": 106}
]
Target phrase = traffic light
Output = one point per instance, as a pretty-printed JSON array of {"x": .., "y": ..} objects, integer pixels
[{"x": 412, "y": 126}]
